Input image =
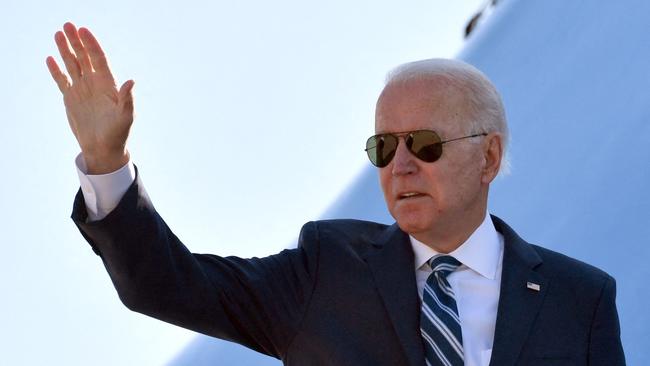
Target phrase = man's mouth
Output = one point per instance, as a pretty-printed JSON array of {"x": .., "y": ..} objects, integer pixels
[{"x": 408, "y": 195}]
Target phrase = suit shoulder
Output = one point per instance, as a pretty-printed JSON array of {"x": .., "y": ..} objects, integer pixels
[
  {"x": 572, "y": 270},
  {"x": 346, "y": 233},
  {"x": 344, "y": 225}
]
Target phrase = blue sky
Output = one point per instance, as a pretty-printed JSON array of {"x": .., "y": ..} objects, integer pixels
[{"x": 250, "y": 114}]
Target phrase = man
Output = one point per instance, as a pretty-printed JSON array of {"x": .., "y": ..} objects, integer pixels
[{"x": 448, "y": 284}]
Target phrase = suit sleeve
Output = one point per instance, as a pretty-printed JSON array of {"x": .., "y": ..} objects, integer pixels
[
  {"x": 605, "y": 337},
  {"x": 257, "y": 302}
]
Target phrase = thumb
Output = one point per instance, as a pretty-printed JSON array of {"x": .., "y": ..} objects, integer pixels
[{"x": 125, "y": 96}]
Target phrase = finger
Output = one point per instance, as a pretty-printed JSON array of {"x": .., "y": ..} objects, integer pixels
[
  {"x": 59, "y": 77},
  {"x": 69, "y": 59},
  {"x": 97, "y": 56},
  {"x": 78, "y": 47},
  {"x": 125, "y": 96}
]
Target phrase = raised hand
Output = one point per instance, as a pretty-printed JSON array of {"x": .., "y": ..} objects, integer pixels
[{"x": 99, "y": 114}]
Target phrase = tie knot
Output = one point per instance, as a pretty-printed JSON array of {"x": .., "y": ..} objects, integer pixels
[{"x": 444, "y": 264}]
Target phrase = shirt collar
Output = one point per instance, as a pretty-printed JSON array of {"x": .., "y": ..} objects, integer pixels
[{"x": 480, "y": 252}]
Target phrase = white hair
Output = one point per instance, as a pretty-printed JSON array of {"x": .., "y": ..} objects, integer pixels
[{"x": 483, "y": 100}]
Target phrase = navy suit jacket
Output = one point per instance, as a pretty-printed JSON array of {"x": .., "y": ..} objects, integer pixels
[{"x": 347, "y": 294}]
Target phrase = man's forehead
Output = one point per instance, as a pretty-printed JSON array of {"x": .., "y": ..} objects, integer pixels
[
  {"x": 443, "y": 128},
  {"x": 407, "y": 106}
]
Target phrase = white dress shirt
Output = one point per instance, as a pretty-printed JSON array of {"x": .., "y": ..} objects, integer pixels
[
  {"x": 476, "y": 284},
  {"x": 103, "y": 192}
]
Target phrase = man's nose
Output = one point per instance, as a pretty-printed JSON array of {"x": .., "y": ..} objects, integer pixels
[{"x": 404, "y": 161}]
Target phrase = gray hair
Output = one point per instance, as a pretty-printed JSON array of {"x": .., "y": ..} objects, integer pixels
[{"x": 484, "y": 102}]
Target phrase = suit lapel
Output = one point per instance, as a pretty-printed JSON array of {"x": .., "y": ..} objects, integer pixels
[
  {"x": 391, "y": 263},
  {"x": 518, "y": 304}
]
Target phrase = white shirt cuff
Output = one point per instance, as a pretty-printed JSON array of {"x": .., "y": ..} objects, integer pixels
[{"x": 103, "y": 192}]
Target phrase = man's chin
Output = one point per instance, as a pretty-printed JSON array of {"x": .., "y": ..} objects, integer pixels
[{"x": 411, "y": 225}]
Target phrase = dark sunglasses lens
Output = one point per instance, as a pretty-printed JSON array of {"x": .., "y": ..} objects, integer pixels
[
  {"x": 381, "y": 149},
  {"x": 425, "y": 145}
]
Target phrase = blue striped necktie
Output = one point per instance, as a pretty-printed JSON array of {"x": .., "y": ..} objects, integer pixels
[{"x": 439, "y": 322}]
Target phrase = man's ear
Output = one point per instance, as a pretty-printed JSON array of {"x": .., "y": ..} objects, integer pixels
[{"x": 492, "y": 152}]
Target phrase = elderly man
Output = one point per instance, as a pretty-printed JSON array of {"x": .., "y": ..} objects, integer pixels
[{"x": 448, "y": 284}]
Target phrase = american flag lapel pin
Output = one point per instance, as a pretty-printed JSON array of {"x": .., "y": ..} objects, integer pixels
[{"x": 533, "y": 286}]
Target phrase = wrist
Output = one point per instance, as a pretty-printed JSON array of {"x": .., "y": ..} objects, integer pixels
[{"x": 104, "y": 163}]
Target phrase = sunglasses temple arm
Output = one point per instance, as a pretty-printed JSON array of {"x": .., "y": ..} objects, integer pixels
[{"x": 464, "y": 137}]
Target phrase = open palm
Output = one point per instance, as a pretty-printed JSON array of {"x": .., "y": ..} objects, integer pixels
[{"x": 99, "y": 114}]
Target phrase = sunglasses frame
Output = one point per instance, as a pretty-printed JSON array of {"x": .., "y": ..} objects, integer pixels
[{"x": 397, "y": 136}]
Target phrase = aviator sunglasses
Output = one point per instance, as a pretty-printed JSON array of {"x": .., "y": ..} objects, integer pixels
[{"x": 426, "y": 145}]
